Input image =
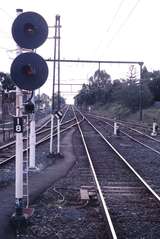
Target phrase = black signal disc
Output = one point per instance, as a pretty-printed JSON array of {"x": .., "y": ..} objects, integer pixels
[
  {"x": 29, "y": 30},
  {"x": 29, "y": 71}
]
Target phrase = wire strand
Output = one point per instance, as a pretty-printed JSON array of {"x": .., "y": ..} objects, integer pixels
[
  {"x": 123, "y": 23},
  {"x": 112, "y": 21}
]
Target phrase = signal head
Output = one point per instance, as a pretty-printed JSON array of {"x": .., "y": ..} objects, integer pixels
[
  {"x": 29, "y": 30},
  {"x": 29, "y": 71}
]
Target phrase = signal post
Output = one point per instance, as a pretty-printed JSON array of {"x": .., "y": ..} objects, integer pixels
[{"x": 29, "y": 71}]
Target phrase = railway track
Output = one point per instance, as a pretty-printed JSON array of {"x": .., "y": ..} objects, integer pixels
[
  {"x": 133, "y": 206},
  {"x": 145, "y": 127},
  {"x": 130, "y": 205},
  {"x": 7, "y": 151},
  {"x": 134, "y": 134},
  {"x": 142, "y": 150}
]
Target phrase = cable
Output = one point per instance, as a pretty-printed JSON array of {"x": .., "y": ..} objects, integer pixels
[
  {"x": 11, "y": 17},
  {"x": 63, "y": 198},
  {"x": 115, "y": 15},
  {"x": 113, "y": 20},
  {"x": 123, "y": 23},
  {"x": 4, "y": 48}
]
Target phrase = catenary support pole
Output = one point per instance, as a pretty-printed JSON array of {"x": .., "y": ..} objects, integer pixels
[
  {"x": 53, "y": 93},
  {"x": 58, "y": 119}
]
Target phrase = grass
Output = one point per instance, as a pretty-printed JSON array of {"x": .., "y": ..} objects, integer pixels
[{"x": 123, "y": 113}]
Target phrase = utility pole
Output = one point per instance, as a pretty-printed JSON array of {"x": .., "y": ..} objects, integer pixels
[
  {"x": 58, "y": 118},
  {"x": 51, "y": 153},
  {"x": 58, "y": 114}
]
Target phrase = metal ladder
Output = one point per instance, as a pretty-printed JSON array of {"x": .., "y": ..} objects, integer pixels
[{"x": 26, "y": 170}]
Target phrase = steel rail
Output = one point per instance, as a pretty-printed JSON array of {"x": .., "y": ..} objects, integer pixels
[
  {"x": 131, "y": 137},
  {"x": 112, "y": 230},
  {"x": 123, "y": 124},
  {"x": 136, "y": 140},
  {"x": 44, "y": 139},
  {"x": 43, "y": 131},
  {"x": 119, "y": 121},
  {"x": 139, "y": 132},
  {"x": 55, "y": 127},
  {"x": 37, "y": 133},
  {"x": 49, "y": 120},
  {"x": 124, "y": 160}
]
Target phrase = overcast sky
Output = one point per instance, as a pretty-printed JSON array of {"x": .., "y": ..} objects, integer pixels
[{"x": 123, "y": 30}]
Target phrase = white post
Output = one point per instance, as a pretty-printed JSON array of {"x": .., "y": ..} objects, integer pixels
[
  {"x": 58, "y": 135},
  {"x": 32, "y": 143},
  {"x": 115, "y": 128},
  {"x": 19, "y": 148},
  {"x": 51, "y": 137},
  {"x": 32, "y": 139},
  {"x": 154, "y": 130}
]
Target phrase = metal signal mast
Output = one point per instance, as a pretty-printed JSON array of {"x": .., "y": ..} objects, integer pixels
[{"x": 56, "y": 109}]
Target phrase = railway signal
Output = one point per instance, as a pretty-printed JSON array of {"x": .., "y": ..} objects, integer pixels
[
  {"x": 29, "y": 71},
  {"x": 29, "y": 30}
]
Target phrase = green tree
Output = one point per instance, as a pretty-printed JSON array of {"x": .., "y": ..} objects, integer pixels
[
  {"x": 154, "y": 85},
  {"x": 6, "y": 81}
]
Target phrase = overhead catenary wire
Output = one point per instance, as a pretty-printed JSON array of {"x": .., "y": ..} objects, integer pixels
[
  {"x": 115, "y": 15},
  {"x": 10, "y": 18},
  {"x": 112, "y": 21},
  {"x": 7, "y": 14},
  {"x": 123, "y": 23}
]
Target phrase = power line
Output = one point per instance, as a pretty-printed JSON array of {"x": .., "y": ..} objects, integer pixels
[
  {"x": 10, "y": 18},
  {"x": 4, "y": 11},
  {"x": 123, "y": 23},
  {"x": 115, "y": 15},
  {"x": 4, "y": 48},
  {"x": 113, "y": 20}
]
